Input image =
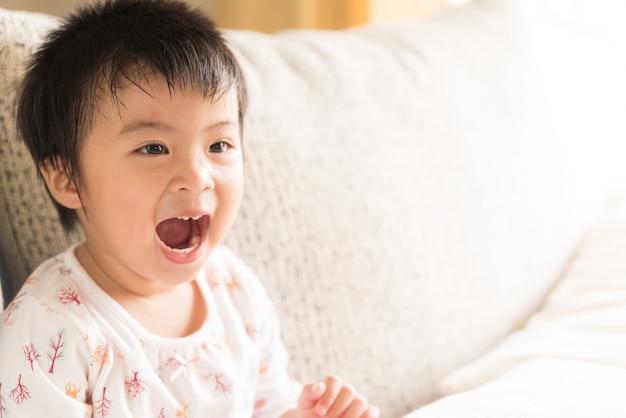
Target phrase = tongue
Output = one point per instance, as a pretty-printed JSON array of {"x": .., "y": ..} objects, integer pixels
[{"x": 175, "y": 233}]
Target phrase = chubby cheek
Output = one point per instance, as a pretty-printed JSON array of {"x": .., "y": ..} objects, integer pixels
[
  {"x": 230, "y": 195},
  {"x": 118, "y": 211}
]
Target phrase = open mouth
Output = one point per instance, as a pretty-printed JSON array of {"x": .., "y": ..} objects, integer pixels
[{"x": 182, "y": 235}]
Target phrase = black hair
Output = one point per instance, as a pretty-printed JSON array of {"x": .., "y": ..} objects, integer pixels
[{"x": 101, "y": 48}]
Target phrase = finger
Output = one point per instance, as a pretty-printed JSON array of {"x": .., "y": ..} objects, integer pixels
[
  {"x": 333, "y": 387},
  {"x": 372, "y": 412},
  {"x": 347, "y": 404},
  {"x": 310, "y": 395}
]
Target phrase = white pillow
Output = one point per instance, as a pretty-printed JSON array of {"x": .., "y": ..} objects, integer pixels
[
  {"x": 540, "y": 388},
  {"x": 568, "y": 360}
]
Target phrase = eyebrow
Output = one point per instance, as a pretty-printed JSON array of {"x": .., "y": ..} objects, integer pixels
[
  {"x": 144, "y": 124},
  {"x": 148, "y": 124}
]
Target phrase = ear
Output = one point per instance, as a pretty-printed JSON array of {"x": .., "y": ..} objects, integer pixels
[{"x": 61, "y": 187}]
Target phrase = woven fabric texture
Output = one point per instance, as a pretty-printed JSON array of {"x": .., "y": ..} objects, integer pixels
[{"x": 29, "y": 226}]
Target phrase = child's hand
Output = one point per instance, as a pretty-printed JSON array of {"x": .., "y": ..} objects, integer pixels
[{"x": 333, "y": 399}]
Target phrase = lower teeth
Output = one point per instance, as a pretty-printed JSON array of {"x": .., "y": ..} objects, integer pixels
[{"x": 193, "y": 244}]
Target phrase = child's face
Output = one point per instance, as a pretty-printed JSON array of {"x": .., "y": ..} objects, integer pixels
[{"x": 161, "y": 184}]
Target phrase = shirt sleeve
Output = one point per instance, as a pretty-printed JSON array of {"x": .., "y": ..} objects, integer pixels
[
  {"x": 277, "y": 393},
  {"x": 44, "y": 362}
]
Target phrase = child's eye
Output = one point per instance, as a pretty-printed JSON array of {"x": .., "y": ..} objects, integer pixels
[
  {"x": 219, "y": 147},
  {"x": 153, "y": 149}
]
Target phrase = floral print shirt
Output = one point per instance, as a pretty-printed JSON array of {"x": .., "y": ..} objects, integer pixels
[{"x": 68, "y": 350}]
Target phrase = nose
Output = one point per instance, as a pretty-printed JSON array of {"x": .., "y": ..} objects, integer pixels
[{"x": 194, "y": 173}]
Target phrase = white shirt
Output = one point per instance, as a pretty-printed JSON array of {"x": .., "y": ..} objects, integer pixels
[{"x": 69, "y": 350}]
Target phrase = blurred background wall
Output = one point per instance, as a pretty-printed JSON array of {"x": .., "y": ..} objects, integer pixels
[{"x": 272, "y": 15}]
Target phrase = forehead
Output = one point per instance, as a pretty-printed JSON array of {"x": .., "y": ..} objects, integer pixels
[{"x": 150, "y": 92}]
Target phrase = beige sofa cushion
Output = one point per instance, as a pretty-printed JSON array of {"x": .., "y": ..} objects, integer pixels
[
  {"x": 414, "y": 191},
  {"x": 29, "y": 228}
]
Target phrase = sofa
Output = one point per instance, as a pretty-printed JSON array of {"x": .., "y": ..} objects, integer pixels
[{"x": 434, "y": 205}]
